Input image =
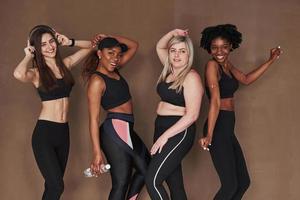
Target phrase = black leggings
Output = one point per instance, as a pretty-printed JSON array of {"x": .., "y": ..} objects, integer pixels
[
  {"x": 166, "y": 166},
  {"x": 50, "y": 144},
  {"x": 228, "y": 158},
  {"x": 124, "y": 150}
]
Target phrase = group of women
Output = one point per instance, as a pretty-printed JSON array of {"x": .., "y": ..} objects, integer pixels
[{"x": 180, "y": 89}]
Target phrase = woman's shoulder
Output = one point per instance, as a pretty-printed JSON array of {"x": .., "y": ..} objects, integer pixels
[
  {"x": 212, "y": 63},
  {"x": 95, "y": 79},
  {"x": 192, "y": 76},
  {"x": 212, "y": 66}
]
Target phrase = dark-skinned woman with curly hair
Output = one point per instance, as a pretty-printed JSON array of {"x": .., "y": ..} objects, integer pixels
[{"x": 222, "y": 80}]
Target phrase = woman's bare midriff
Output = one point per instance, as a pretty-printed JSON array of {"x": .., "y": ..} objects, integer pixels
[
  {"x": 165, "y": 108},
  {"x": 55, "y": 110},
  {"x": 124, "y": 108},
  {"x": 227, "y": 104}
]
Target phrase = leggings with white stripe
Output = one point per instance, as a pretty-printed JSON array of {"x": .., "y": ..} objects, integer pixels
[
  {"x": 166, "y": 165},
  {"x": 124, "y": 151}
]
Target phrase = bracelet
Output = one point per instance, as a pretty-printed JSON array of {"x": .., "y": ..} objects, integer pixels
[{"x": 72, "y": 42}]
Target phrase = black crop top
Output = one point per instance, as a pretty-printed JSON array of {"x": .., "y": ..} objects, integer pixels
[
  {"x": 61, "y": 91},
  {"x": 116, "y": 92},
  {"x": 227, "y": 84},
  {"x": 170, "y": 95}
]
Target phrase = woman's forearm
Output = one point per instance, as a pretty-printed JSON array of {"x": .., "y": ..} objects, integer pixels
[
  {"x": 163, "y": 42},
  {"x": 131, "y": 44},
  {"x": 84, "y": 44},
  {"x": 214, "y": 108},
  {"x": 183, "y": 123},
  {"x": 95, "y": 138},
  {"x": 258, "y": 72}
]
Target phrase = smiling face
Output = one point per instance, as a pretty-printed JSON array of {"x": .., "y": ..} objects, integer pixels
[
  {"x": 220, "y": 49},
  {"x": 48, "y": 46},
  {"x": 110, "y": 58},
  {"x": 178, "y": 55}
]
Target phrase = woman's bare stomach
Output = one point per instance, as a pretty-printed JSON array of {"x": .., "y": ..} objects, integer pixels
[
  {"x": 55, "y": 110},
  {"x": 227, "y": 104},
  {"x": 165, "y": 108},
  {"x": 124, "y": 108}
]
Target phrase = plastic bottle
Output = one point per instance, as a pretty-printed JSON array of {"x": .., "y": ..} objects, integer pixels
[{"x": 88, "y": 172}]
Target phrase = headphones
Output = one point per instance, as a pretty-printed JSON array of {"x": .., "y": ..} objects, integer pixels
[{"x": 38, "y": 27}]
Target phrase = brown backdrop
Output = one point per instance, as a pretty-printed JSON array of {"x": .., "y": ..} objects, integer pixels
[{"x": 266, "y": 111}]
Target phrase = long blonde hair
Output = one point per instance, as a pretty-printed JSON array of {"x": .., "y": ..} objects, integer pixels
[{"x": 167, "y": 70}]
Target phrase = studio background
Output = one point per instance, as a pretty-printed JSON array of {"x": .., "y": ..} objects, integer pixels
[{"x": 267, "y": 111}]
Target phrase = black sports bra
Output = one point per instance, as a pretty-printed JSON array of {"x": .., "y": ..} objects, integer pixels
[
  {"x": 170, "y": 95},
  {"x": 116, "y": 92},
  {"x": 227, "y": 84},
  {"x": 62, "y": 90}
]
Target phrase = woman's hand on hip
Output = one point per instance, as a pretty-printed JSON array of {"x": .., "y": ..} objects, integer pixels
[{"x": 158, "y": 145}]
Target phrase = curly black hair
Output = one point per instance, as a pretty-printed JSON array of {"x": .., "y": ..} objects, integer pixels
[{"x": 228, "y": 32}]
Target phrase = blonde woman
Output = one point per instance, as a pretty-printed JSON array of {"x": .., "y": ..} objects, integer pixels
[{"x": 180, "y": 89}]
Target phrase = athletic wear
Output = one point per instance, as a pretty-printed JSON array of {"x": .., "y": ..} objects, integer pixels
[
  {"x": 170, "y": 95},
  {"x": 166, "y": 166},
  {"x": 227, "y": 84},
  {"x": 116, "y": 92},
  {"x": 228, "y": 158},
  {"x": 50, "y": 144},
  {"x": 60, "y": 91},
  {"x": 124, "y": 151}
]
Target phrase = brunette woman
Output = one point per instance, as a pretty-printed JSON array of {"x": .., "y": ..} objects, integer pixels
[{"x": 51, "y": 76}]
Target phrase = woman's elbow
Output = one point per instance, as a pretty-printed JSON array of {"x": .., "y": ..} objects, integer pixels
[
  {"x": 17, "y": 75},
  {"x": 192, "y": 117},
  {"x": 94, "y": 120},
  {"x": 215, "y": 102},
  {"x": 135, "y": 45},
  {"x": 246, "y": 81}
]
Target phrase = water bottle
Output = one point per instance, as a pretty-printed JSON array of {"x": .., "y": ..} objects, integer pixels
[{"x": 88, "y": 172}]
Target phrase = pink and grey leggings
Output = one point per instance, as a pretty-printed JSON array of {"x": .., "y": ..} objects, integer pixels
[{"x": 124, "y": 151}]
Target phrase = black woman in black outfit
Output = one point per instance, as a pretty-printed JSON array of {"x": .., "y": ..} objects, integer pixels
[
  {"x": 222, "y": 80},
  {"x": 122, "y": 147}
]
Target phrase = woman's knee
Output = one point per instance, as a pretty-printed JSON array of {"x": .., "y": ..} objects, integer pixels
[{"x": 55, "y": 188}]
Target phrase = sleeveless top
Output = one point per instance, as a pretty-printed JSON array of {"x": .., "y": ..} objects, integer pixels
[
  {"x": 227, "y": 85},
  {"x": 116, "y": 92},
  {"x": 62, "y": 90},
  {"x": 170, "y": 95}
]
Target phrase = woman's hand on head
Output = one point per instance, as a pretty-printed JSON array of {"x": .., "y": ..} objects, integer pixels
[
  {"x": 29, "y": 50},
  {"x": 97, "y": 38},
  {"x": 275, "y": 53},
  {"x": 62, "y": 39},
  {"x": 180, "y": 32}
]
